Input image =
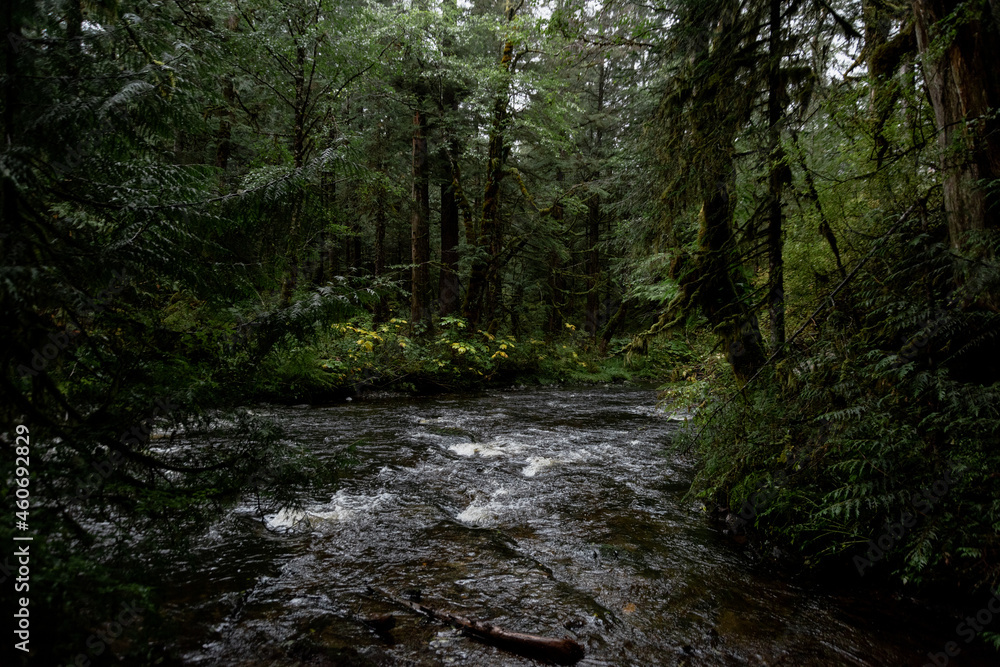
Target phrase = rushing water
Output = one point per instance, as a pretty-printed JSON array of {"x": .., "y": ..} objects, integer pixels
[{"x": 547, "y": 511}]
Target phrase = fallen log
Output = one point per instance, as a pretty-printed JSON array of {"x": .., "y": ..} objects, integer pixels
[{"x": 565, "y": 651}]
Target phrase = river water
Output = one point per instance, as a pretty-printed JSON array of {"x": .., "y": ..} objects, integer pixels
[{"x": 548, "y": 511}]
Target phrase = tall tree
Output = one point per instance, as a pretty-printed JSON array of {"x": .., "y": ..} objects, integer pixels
[
  {"x": 778, "y": 176},
  {"x": 594, "y": 218},
  {"x": 702, "y": 114},
  {"x": 420, "y": 234},
  {"x": 959, "y": 44},
  {"x": 449, "y": 282}
]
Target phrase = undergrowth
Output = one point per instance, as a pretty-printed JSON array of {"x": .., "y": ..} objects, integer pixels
[
  {"x": 355, "y": 355},
  {"x": 872, "y": 447}
]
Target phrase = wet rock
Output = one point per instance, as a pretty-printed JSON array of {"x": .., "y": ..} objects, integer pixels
[{"x": 380, "y": 622}]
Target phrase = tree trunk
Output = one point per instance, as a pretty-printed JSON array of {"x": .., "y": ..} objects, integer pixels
[
  {"x": 563, "y": 651},
  {"x": 352, "y": 237},
  {"x": 593, "y": 261},
  {"x": 593, "y": 264},
  {"x": 381, "y": 307},
  {"x": 877, "y": 29},
  {"x": 485, "y": 281},
  {"x": 715, "y": 282},
  {"x": 811, "y": 193},
  {"x": 224, "y": 137},
  {"x": 332, "y": 259},
  {"x": 963, "y": 83},
  {"x": 298, "y": 129},
  {"x": 720, "y": 299},
  {"x": 613, "y": 325},
  {"x": 420, "y": 246},
  {"x": 448, "y": 293},
  {"x": 298, "y": 157},
  {"x": 556, "y": 287},
  {"x": 776, "y": 180},
  {"x": 449, "y": 286}
]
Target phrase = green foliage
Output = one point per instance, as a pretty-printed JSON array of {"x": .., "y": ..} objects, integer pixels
[
  {"x": 350, "y": 356},
  {"x": 870, "y": 414},
  {"x": 455, "y": 356}
]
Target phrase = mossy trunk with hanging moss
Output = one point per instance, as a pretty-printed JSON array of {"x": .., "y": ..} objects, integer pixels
[{"x": 702, "y": 117}]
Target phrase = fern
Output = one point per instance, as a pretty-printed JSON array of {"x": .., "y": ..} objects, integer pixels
[{"x": 886, "y": 412}]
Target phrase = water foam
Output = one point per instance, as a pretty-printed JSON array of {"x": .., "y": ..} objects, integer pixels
[
  {"x": 342, "y": 508},
  {"x": 536, "y": 464},
  {"x": 499, "y": 447},
  {"x": 487, "y": 513}
]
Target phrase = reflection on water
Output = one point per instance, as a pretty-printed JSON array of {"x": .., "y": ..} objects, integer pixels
[{"x": 548, "y": 511}]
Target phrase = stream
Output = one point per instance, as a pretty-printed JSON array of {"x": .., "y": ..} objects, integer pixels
[{"x": 551, "y": 511}]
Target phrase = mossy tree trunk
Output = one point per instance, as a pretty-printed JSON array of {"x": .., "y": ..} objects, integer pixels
[{"x": 959, "y": 43}]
